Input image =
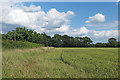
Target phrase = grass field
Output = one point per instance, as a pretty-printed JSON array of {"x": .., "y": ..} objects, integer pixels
[{"x": 60, "y": 63}]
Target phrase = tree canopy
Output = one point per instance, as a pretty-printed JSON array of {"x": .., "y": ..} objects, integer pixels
[{"x": 23, "y": 34}]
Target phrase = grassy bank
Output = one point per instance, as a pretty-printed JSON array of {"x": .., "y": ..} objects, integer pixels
[
  {"x": 7, "y": 44},
  {"x": 60, "y": 63}
]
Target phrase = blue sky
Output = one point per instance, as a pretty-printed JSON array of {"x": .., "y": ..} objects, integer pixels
[
  {"x": 61, "y": 0},
  {"x": 97, "y": 20}
]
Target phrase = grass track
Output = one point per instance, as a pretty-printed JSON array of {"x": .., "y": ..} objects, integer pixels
[{"x": 60, "y": 63}]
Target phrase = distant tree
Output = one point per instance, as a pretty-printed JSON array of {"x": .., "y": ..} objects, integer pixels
[
  {"x": 72, "y": 42},
  {"x": 46, "y": 39},
  {"x": 23, "y": 34},
  {"x": 65, "y": 41},
  {"x": 56, "y": 40},
  {"x": 112, "y": 42},
  {"x": 118, "y": 43},
  {"x": 77, "y": 41},
  {"x": 86, "y": 41}
]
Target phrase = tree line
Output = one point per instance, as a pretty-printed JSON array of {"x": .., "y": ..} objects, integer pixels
[{"x": 23, "y": 34}]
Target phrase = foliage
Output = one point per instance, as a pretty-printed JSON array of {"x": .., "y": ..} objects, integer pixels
[
  {"x": 7, "y": 44},
  {"x": 23, "y": 34},
  {"x": 113, "y": 42},
  {"x": 101, "y": 45}
]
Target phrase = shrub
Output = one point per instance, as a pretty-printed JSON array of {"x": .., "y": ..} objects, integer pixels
[{"x": 8, "y": 44}]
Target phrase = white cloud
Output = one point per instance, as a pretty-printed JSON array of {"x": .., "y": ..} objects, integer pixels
[
  {"x": 107, "y": 25},
  {"x": 63, "y": 28},
  {"x": 1, "y": 32},
  {"x": 118, "y": 0},
  {"x": 97, "y": 18},
  {"x": 103, "y": 36},
  {"x": 16, "y": 0},
  {"x": 81, "y": 31},
  {"x": 97, "y": 36},
  {"x": 31, "y": 8},
  {"x": 35, "y": 18}
]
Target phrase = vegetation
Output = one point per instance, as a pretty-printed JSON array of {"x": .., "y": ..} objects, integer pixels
[
  {"x": 22, "y": 34},
  {"x": 60, "y": 63},
  {"x": 7, "y": 44},
  {"x": 47, "y": 62}
]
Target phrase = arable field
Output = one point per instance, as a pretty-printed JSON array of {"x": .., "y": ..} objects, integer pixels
[{"x": 60, "y": 63}]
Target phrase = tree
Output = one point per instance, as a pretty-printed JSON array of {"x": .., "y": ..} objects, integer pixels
[
  {"x": 118, "y": 43},
  {"x": 101, "y": 45},
  {"x": 112, "y": 42},
  {"x": 65, "y": 41},
  {"x": 10, "y": 35},
  {"x": 56, "y": 40},
  {"x": 23, "y": 34},
  {"x": 46, "y": 39},
  {"x": 76, "y": 42},
  {"x": 86, "y": 41}
]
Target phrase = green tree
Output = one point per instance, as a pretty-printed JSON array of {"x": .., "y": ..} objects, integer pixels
[
  {"x": 85, "y": 41},
  {"x": 65, "y": 41},
  {"x": 112, "y": 42},
  {"x": 56, "y": 40},
  {"x": 46, "y": 39}
]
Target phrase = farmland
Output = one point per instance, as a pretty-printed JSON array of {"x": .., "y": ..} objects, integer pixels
[{"x": 49, "y": 62}]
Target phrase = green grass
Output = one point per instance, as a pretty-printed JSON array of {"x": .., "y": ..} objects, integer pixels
[
  {"x": 7, "y": 44},
  {"x": 60, "y": 63}
]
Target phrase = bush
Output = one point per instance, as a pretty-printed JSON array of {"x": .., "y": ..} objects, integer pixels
[{"x": 7, "y": 44}]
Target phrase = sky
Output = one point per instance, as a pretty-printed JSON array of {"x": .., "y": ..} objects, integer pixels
[
  {"x": 97, "y": 20},
  {"x": 60, "y": 0}
]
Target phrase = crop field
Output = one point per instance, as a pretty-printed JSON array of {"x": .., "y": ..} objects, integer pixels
[{"x": 48, "y": 62}]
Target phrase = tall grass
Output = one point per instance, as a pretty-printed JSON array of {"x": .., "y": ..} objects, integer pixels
[{"x": 60, "y": 63}]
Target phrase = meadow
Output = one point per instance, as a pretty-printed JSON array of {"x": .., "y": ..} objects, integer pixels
[{"x": 49, "y": 62}]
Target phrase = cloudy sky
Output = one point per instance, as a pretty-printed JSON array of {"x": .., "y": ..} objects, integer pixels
[{"x": 97, "y": 20}]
